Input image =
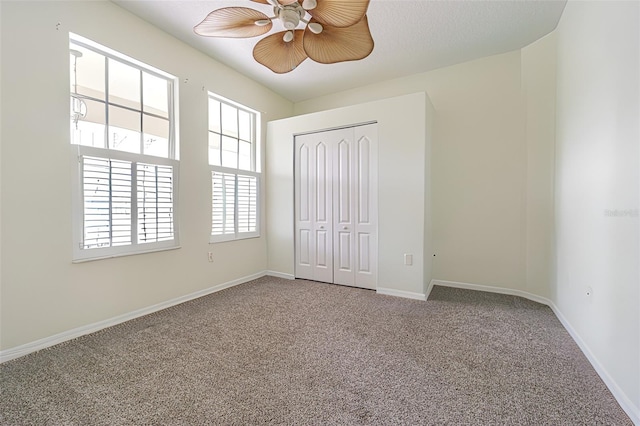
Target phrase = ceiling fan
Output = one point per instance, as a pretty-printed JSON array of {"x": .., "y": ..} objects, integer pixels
[{"x": 335, "y": 31}]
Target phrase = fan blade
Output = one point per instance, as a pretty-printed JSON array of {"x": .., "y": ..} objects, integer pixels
[
  {"x": 235, "y": 22},
  {"x": 335, "y": 44},
  {"x": 339, "y": 13},
  {"x": 279, "y": 56}
]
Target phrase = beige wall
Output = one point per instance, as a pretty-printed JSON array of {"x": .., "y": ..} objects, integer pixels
[
  {"x": 42, "y": 292},
  {"x": 486, "y": 200},
  {"x": 402, "y": 174},
  {"x": 597, "y": 184}
]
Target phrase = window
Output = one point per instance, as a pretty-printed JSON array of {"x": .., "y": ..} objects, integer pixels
[
  {"x": 235, "y": 180},
  {"x": 124, "y": 139}
]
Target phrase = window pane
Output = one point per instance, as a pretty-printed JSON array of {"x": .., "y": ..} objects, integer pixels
[
  {"x": 156, "y": 136},
  {"x": 124, "y": 130},
  {"x": 229, "y": 120},
  {"x": 89, "y": 72},
  {"x": 124, "y": 84},
  {"x": 89, "y": 130},
  {"x": 155, "y": 93},
  {"x": 214, "y": 116},
  {"x": 244, "y": 156},
  {"x": 244, "y": 119},
  {"x": 229, "y": 152},
  {"x": 214, "y": 149},
  {"x": 88, "y": 134}
]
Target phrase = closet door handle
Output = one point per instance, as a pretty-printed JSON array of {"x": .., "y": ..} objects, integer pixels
[
  {"x": 322, "y": 227},
  {"x": 345, "y": 228}
]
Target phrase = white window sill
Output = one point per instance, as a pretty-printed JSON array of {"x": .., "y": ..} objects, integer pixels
[
  {"x": 111, "y": 256},
  {"x": 226, "y": 238}
]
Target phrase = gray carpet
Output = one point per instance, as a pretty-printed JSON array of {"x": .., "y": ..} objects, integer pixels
[{"x": 298, "y": 352}]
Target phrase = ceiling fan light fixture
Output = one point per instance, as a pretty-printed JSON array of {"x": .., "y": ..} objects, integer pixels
[
  {"x": 309, "y": 4},
  {"x": 288, "y": 36},
  {"x": 315, "y": 28},
  {"x": 263, "y": 22}
]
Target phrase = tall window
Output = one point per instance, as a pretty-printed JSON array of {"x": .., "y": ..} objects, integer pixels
[
  {"x": 123, "y": 136},
  {"x": 235, "y": 180}
]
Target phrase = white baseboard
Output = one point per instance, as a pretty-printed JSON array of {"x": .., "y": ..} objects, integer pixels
[
  {"x": 401, "y": 293},
  {"x": 280, "y": 275},
  {"x": 625, "y": 402},
  {"x": 491, "y": 289},
  {"x": 37, "y": 345}
]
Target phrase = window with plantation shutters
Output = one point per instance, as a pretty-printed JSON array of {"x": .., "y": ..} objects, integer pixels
[
  {"x": 235, "y": 181},
  {"x": 123, "y": 136}
]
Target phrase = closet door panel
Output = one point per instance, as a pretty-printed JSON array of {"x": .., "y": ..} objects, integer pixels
[
  {"x": 343, "y": 191},
  {"x": 366, "y": 226},
  {"x": 304, "y": 206},
  {"x": 322, "y": 219}
]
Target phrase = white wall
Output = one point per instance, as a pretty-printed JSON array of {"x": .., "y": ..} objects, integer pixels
[
  {"x": 539, "y": 100},
  {"x": 402, "y": 171},
  {"x": 596, "y": 175},
  {"x": 42, "y": 293},
  {"x": 428, "y": 203}
]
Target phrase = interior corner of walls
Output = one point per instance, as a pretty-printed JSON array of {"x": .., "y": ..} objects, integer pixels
[
  {"x": 428, "y": 289},
  {"x": 283, "y": 275},
  {"x": 401, "y": 293}
]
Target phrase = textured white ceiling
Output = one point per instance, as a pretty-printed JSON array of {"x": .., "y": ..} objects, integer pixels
[{"x": 411, "y": 36}]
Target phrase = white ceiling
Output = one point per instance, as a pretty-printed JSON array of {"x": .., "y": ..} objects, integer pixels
[{"x": 411, "y": 36}]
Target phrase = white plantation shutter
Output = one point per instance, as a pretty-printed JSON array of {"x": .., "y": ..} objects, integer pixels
[
  {"x": 223, "y": 203},
  {"x": 234, "y": 204},
  {"x": 126, "y": 206},
  {"x": 155, "y": 203},
  {"x": 247, "y": 203},
  {"x": 106, "y": 190}
]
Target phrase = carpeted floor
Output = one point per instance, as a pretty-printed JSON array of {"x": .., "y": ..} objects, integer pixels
[{"x": 298, "y": 352}]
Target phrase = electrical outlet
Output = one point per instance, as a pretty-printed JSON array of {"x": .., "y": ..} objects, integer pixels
[
  {"x": 589, "y": 291},
  {"x": 210, "y": 256}
]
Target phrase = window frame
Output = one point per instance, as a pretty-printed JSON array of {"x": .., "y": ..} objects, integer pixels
[
  {"x": 237, "y": 172},
  {"x": 78, "y": 152}
]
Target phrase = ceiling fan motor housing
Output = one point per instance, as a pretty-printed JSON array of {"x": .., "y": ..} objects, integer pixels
[{"x": 290, "y": 15}]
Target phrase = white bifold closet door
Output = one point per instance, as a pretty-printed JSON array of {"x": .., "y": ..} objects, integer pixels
[{"x": 336, "y": 206}]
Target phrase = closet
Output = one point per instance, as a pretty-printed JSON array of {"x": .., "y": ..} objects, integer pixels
[{"x": 336, "y": 206}]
